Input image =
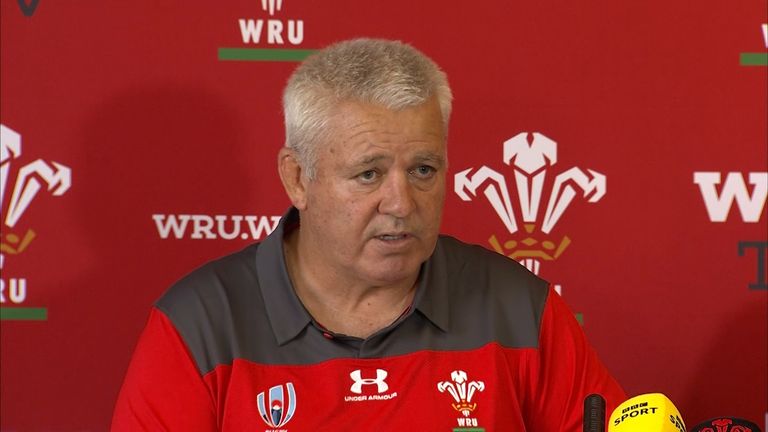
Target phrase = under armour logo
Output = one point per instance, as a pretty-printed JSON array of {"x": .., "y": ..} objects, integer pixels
[{"x": 359, "y": 381}]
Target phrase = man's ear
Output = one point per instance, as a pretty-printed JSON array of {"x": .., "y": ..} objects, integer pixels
[{"x": 291, "y": 175}]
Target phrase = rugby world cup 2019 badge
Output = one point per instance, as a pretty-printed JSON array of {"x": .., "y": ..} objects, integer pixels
[
  {"x": 30, "y": 179},
  {"x": 531, "y": 157},
  {"x": 463, "y": 393},
  {"x": 278, "y": 406}
]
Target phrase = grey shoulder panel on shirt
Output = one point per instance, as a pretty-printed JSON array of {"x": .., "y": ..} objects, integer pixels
[
  {"x": 509, "y": 298},
  {"x": 211, "y": 306},
  {"x": 221, "y": 314}
]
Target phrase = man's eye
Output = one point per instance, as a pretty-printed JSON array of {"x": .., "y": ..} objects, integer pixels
[
  {"x": 424, "y": 171},
  {"x": 367, "y": 176}
]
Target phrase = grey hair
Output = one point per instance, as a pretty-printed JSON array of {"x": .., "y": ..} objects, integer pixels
[{"x": 391, "y": 74}]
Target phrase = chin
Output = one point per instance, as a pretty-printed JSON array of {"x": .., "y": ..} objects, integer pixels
[{"x": 390, "y": 273}]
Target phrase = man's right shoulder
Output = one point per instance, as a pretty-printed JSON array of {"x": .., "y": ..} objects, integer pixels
[
  {"x": 206, "y": 306},
  {"x": 219, "y": 281}
]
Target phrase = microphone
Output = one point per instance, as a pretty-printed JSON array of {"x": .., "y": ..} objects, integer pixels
[
  {"x": 594, "y": 413},
  {"x": 652, "y": 412},
  {"x": 726, "y": 424}
]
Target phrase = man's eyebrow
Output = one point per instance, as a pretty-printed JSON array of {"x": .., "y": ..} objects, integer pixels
[
  {"x": 430, "y": 157},
  {"x": 418, "y": 158},
  {"x": 370, "y": 159}
]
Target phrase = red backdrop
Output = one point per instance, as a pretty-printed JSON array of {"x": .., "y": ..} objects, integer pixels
[{"x": 123, "y": 119}]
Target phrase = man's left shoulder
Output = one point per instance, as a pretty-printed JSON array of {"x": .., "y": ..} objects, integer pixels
[
  {"x": 476, "y": 268},
  {"x": 490, "y": 296}
]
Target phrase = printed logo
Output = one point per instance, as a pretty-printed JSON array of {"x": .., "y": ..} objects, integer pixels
[
  {"x": 734, "y": 189},
  {"x": 278, "y": 32},
  {"x": 268, "y": 38},
  {"x": 30, "y": 180},
  {"x": 280, "y": 409},
  {"x": 756, "y": 58},
  {"x": 677, "y": 422},
  {"x": 751, "y": 207},
  {"x": 462, "y": 390},
  {"x": 764, "y": 28},
  {"x": 359, "y": 381},
  {"x": 531, "y": 157},
  {"x": 212, "y": 227},
  {"x": 28, "y": 9},
  {"x": 367, "y": 385},
  {"x": 271, "y": 6},
  {"x": 728, "y": 424}
]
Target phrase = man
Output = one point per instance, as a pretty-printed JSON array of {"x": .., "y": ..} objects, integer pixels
[{"x": 355, "y": 314}]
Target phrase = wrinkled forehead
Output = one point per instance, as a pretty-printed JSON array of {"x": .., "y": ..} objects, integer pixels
[
  {"x": 352, "y": 120},
  {"x": 344, "y": 113}
]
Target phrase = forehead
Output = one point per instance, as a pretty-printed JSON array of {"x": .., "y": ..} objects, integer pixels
[{"x": 358, "y": 127}]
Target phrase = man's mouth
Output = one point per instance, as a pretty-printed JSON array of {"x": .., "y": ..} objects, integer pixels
[{"x": 392, "y": 237}]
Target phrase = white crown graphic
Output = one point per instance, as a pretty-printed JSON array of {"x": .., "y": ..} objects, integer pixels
[
  {"x": 462, "y": 391},
  {"x": 531, "y": 157},
  {"x": 30, "y": 179},
  {"x": 271, "y": 6}
]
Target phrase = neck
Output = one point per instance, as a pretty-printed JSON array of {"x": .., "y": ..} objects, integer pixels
[{"x": 341, "y": 303}]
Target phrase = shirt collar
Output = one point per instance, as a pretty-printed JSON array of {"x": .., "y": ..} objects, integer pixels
[
  {"x": 287, "y": 314},
  {"x": 433, "y": 291},
  {"x": 284, "y": 309}
]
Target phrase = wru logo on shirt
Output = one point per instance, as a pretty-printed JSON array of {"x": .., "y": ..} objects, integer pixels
[{"x": 462, "y": 391}]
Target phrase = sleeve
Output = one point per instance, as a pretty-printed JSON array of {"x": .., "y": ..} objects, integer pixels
[
  {"x": 163, "y": 390},
  {"x": 567, "y": 371}
]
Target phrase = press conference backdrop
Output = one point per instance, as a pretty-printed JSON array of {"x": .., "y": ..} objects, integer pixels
[{"x": 617, "y": 149}]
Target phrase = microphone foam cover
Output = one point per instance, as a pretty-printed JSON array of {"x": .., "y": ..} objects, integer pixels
[
  {"x": 594, "y": 413},
  {"x": 652, "y": 412}
]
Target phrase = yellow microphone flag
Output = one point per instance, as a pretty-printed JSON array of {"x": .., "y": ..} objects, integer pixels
[{"x": 652, "y": 412}]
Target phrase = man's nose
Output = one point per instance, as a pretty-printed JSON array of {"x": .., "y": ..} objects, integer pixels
[{"x": 397, "y": 196}]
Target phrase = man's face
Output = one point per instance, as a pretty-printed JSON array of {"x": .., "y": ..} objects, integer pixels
[{"x": 373, "y": 210}]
